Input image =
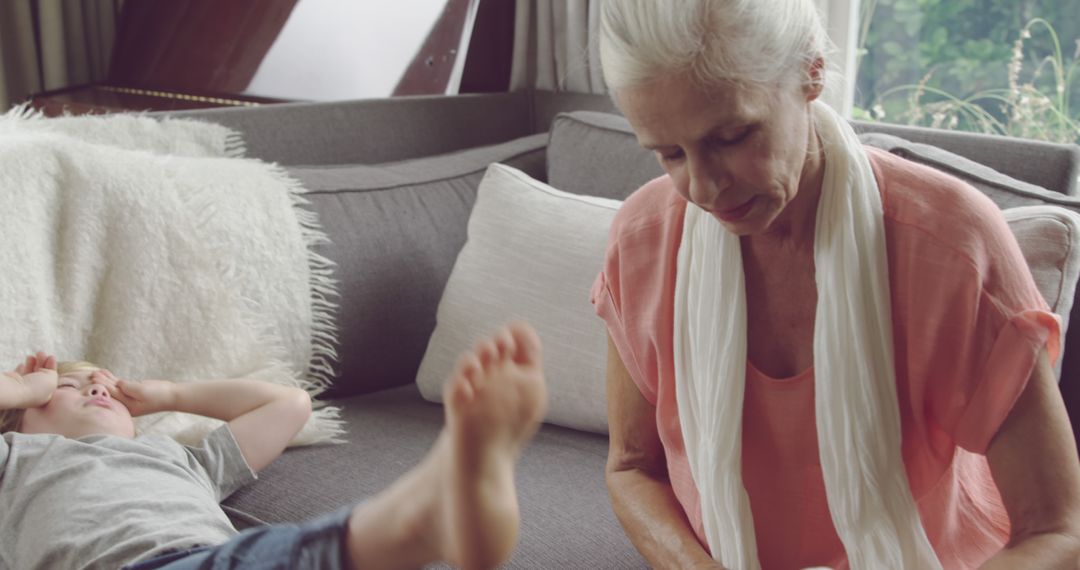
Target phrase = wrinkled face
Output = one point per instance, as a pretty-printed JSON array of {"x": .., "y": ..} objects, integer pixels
[
  {"x": 79, "y": 407},
  {"x": 736, "y": 152}
]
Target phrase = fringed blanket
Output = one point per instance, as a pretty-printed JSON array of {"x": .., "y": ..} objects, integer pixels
[{"x": 153, "y": 249}]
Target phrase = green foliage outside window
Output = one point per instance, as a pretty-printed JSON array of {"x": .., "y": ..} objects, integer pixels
[{"x": 996, "y": 66}]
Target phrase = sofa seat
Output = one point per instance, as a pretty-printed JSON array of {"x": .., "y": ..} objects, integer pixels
[{"x": 567, "y": 521}]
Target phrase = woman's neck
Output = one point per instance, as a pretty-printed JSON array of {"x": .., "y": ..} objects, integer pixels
[{"x": 793, "y": 229}]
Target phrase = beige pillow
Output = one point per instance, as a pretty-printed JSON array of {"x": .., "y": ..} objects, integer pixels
[
  {"x": 1049, "y": 238},
  {"x": 532, "y": 253}
]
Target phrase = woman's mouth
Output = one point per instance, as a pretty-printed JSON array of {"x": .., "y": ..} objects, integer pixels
[{"x": 735, "y": 214}]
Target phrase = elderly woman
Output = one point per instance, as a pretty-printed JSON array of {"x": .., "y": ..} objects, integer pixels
[{"x": 820, "y": 354}]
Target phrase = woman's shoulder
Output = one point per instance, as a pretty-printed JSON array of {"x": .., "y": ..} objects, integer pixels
[
  {"x": 936, "y": 207},
  {"x": 655, "y": 208}
]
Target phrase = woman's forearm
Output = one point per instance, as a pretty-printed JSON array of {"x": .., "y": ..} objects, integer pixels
[{"x": 654, "y": 521}]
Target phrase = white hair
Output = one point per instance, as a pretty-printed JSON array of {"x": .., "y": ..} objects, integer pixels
[{"x": 753, "y": 43}]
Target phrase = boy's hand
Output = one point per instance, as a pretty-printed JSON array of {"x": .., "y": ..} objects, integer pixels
[
  {"x": 35, "y": 378},
  {"x": 140, "y": 396}
]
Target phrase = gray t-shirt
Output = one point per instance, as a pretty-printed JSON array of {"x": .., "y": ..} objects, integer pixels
[{"x": 104, "y": 501}]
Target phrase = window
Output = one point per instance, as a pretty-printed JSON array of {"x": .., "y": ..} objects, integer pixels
[
  {"x": 345, "y": 49},
  {"x": 995, "y": 66}
]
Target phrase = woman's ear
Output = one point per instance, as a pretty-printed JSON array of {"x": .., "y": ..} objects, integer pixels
[{"x": 816, "y": 75}]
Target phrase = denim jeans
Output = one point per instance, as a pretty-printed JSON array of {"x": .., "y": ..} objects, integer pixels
[{"x": 316, "y": 545}]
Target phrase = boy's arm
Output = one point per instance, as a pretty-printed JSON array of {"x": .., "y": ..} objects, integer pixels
[
  {"x": 31, "y": 384},
  {"x": 263, "y": 417}
]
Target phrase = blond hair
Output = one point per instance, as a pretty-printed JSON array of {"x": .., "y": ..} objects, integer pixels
[
  {"x": 11, "y": 420},
  {"x": 68, "y": 367}
]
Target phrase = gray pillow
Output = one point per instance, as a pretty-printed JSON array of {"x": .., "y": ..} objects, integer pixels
[
  {"x": 597, "y": 154},
  {"x": 395, "y": 230}
]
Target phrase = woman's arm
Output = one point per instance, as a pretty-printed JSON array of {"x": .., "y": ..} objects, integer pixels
[
  {"x": 641, "y": 494},
  {"x": 263, "y": 417},
  {"x": 1034, "y": 462}
]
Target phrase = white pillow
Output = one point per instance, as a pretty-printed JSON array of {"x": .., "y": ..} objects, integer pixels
[
  {"x": 532, "y": 253},
  {"x": 1049, "y": 238}
]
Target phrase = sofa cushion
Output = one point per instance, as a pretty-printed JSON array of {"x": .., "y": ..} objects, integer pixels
[
  {"x": 1049, "y": 238},
  {"x": 597, "y": 154},
  {"x": 566, "y": 516},
  {"x": 395, "y": 230},
  {"x": 532, "y": 254}
]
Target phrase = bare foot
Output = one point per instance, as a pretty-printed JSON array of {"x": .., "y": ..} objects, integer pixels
[{"x": 460, "y": 505}]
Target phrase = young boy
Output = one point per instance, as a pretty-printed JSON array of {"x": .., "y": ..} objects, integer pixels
[{"x": 78, "y": 488}]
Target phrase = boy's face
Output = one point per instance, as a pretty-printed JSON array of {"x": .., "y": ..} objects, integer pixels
[{"x": 80, "y": 407}]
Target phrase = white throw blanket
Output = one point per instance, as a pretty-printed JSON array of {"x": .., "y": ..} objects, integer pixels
[
  {"x": 858, "y": 422},
  {"x": 150, "y": 248}
]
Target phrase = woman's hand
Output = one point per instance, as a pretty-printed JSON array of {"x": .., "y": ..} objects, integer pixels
[
  {"x": 31, "y": 384},
  {"x": 140, "y": 396}
]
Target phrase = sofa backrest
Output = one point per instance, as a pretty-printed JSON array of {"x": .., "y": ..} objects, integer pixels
[
  {"x": 1052, "y": 166},
  {"x": 597, "y": 153},
  {"x": 374, "y": 131},
  {"x": 395, "y": 230}
]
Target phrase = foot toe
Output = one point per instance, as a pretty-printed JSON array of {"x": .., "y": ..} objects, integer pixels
[
  {"x": 526, "y": 343},
  {"x": 458, "y": 391},
  {"x": 486, "y": 352},
  {"x": 468, "y": 366},
  {"x": 504, "y": 343}
]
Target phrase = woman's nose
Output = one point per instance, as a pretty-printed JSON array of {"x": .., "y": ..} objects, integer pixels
[{"x": 706, "y": 181}]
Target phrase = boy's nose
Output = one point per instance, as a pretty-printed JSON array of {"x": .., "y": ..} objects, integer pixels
[{"x": 97, "y": 390}]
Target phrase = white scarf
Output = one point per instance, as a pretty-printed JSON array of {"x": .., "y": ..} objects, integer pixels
[{"x": 858, "y": 422}]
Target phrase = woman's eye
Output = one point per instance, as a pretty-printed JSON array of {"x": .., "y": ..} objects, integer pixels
[
  {"x": 670, "y": 155},
  {"x": 738, "y": 138}
]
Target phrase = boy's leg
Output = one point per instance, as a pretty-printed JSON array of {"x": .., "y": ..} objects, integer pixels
[{"x": 459, "y": 505}]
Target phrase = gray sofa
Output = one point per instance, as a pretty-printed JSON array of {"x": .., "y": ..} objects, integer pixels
[{"x": 393, "y": 182}]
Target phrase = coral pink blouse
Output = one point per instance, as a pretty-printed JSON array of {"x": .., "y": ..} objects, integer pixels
[{"x": 968, "y": 325}]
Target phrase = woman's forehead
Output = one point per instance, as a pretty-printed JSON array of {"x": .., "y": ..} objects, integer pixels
[{"x": 674, "y": 109}]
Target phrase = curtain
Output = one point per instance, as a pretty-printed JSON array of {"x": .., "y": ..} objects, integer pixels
[
  {"x": 52, "y": 44},
  {"x": 841, "y": 19},
  {"x": 555, "y": 47}
]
